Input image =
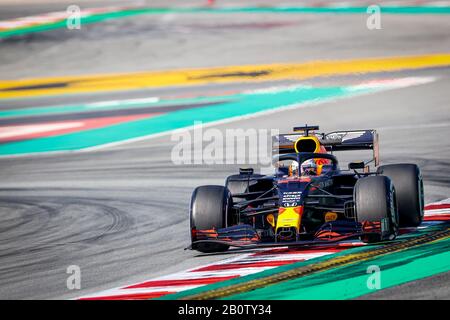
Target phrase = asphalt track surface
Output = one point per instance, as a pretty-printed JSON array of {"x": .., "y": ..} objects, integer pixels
[{"x": 121, "y": 213}]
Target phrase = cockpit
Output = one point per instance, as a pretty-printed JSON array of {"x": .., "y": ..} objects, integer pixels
[{"x": 305, "y": 165}]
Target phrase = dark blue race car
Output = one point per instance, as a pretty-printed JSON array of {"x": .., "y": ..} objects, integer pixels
[{"x": 309, "y": 200}]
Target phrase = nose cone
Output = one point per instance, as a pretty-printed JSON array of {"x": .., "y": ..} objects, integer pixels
[{"x": 289, "y": 221}]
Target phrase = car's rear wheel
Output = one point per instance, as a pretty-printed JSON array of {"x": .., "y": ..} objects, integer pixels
[
  {"x": 376, "y": 208},
  {"x": 408, "y": 184},
  {"x": 210, "y": 207}
]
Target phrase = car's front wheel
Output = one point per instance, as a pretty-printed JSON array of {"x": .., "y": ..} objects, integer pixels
[
  {"x": 376, "y": 208},
  {"x": 210, "y": 208}
]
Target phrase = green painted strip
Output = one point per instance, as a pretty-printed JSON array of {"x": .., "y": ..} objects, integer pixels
[
  {"x": 344, "y": 10},
  {"x": 351, "y": 281},
  {"x": 246, "y": 104},
  {"x": 314, "y": 10},
  {"x": 101, "y": 106}
]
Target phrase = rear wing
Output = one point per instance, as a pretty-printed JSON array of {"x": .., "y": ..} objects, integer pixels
[{"x": 332, "y": 141}]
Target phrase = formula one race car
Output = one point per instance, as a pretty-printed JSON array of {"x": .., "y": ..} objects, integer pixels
[{"x": 309, "y": 200}]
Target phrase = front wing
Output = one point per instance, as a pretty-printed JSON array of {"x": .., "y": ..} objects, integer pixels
[{"x": 246, "y": 237}]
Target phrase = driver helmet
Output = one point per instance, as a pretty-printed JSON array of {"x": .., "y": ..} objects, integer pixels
[{"x": 309, "y": 168}]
